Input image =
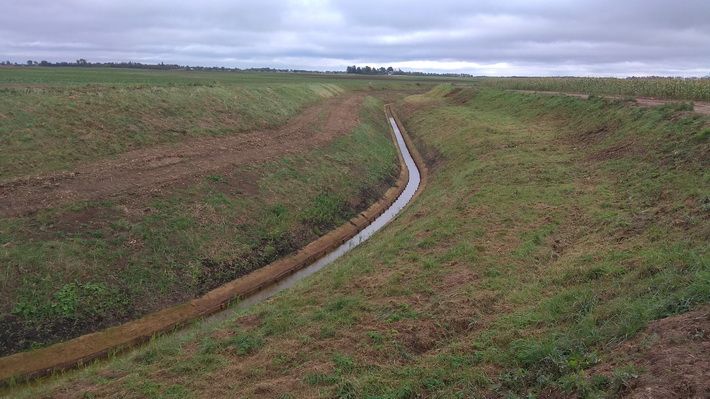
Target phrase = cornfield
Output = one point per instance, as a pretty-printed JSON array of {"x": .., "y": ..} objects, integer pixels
[{"x": 659, "y": 87}]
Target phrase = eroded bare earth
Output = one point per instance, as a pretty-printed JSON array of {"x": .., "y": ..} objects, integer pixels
[
  {"x": 672, "y": 358},
  {"x": 148, "y": 170}
]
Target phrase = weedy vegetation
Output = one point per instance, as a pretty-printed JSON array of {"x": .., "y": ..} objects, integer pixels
[{"x": 668, "y": 88}]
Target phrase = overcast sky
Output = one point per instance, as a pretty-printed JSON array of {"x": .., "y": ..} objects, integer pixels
[{"x": 514, "y": 37}]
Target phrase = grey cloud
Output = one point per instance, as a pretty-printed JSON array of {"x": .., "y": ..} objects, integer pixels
[{"x": 559, "y": 36}]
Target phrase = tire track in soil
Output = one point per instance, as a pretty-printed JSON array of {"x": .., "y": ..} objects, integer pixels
[{"x": 149, "y": 170}]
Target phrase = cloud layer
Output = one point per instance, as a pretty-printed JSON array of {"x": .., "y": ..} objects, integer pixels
[{"x": 514, "y": 37}]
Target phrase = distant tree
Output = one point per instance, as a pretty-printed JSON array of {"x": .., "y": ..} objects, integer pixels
[
  {"x": 30, "y": 62},
  {"x": 368, "y": 70},
  {"x": 81, "y": 61},
  {"x": 44, "y": 63}
]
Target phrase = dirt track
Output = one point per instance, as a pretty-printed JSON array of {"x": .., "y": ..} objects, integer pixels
[
  {"x": 149, "y": 170},
  {"x": 698, "y": 106}
]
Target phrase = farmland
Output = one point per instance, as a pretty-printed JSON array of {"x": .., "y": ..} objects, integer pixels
[
  {"x": 666, "y": 88},
  {"x": 559, "y": 245}
]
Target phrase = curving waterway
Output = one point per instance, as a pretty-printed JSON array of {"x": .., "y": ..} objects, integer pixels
[
  {"x": 91, "y": 346},
  {"x": 380, "y": 222}
]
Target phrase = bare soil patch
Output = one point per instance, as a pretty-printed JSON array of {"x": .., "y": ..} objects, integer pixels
[
  {"x": 625, "y": 148},
  {"x": 672, "y": 355},
  {"x": 149, "y": 170},
  {"x": 592, "y": 137}
]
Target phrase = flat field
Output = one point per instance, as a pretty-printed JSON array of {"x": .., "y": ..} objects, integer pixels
[{"x": 662, "y": 88}]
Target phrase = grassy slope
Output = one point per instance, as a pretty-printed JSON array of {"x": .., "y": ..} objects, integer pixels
[
  {"x": 53, "y": 118},
  {"x": 62, "y": 278},
  {"x": 550, "y": 230},
  {"x": 50, "y": 129}
]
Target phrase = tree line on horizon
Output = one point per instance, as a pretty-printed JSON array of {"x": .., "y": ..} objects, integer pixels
[
  {"x": 368, "y": 70},
  {"x": 81, "y": 62}
]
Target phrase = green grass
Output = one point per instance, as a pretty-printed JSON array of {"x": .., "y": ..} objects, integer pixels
[
  {"x": 59, "y": 280},
  {"x": 669, "y": 88},
  {"x": 550, "y": 230},
  {"x": 44, "y": 130},
  {"x": 69, "y": 76},
  {"x": 52, "y": 119}
]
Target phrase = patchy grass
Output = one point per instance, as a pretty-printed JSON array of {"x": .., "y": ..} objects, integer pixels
[
  {"x": 53, "y": 129},
  {"x": 74, "y": 269},
  {"x": 670, "y": 88},
  {"x": 551, "y": 231},
  {"x": 52, "y": 119}
]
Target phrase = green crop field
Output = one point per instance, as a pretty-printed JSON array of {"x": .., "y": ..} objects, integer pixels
[
  {"x": 666, "y": 88},
  {"x": 66, "y": 76},
  {"x": 551, "y": 232}
]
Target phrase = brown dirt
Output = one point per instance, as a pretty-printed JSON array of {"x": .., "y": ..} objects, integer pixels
[
  {"x": 700, "y": 107},
  {"x": 146, "y": 171},
  {"x": 460, "y": 96},
  {"x": 673, "y": 356},
  {"x": 625, "y": 148},
  {"x": 592, "y": 137}
]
